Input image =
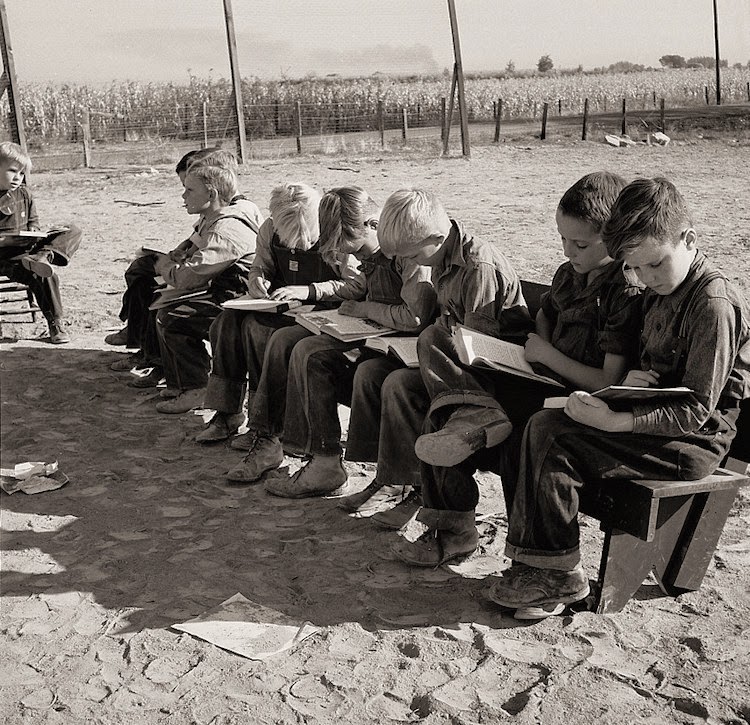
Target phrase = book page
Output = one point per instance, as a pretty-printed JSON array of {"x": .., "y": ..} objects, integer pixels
[
  {"x": 404, "y": 348},
  {"x": 633, "y": 392},
  {"x": 259, "y": 304},
  {"x": 491, "y": 349}
]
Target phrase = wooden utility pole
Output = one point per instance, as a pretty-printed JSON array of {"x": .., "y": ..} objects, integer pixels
[
  {"x": 9, "y": 83},
  {"x": 459, "y": 75},
  {"x": 718, "y": 60},
  {"x": 234, "y": 64}
]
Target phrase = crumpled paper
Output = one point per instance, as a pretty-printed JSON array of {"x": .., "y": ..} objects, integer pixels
[{"x": 32, "y": 477}]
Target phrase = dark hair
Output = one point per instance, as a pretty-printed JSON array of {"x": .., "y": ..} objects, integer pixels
[
  {"x": 196, "y": 155},
  {"x": 646, "y": 208},
  {"x": 591, "y": 198}
]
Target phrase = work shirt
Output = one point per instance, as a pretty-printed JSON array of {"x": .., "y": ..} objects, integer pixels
[
  {"x": 712, "y": 359},
  {"x": 592, "y": 315},
  {"x": 477, "y": 286},
  {"x": 18, "y": 210}
]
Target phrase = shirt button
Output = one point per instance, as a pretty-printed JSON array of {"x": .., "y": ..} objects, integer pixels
[{"x": 658, "y": 326}]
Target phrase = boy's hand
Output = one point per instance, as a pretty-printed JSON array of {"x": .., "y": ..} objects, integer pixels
[
  {"x": 536, "y": 348},
  {"x": 292, "y": 292},
  {"x": 642, "y": 378},
  {"x": 177, "y": 255},
  {"x": 585, "y": 408},
  {"x": 162, "y": 264},
  {"x": 257, "y": 287},
  {"x": 352, "y": 309}
]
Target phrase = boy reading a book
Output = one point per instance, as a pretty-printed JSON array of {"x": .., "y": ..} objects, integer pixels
[
  {"x": 586, "y": 332},
  {"x": 695, "y": 334},
  {"x": 475, "y": 284},
  {"x": 29, "y": 260},
  {"x": 288, "y": 266},
  {"x": 398, "y": 295}
]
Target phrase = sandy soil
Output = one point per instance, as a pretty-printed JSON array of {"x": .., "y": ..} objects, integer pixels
[{"x": 147, "y": 534}]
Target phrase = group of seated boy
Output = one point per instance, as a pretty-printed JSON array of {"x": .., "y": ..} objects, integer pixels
[{"x": 636, "y": 303}]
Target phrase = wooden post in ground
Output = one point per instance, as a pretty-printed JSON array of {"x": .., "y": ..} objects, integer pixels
[
  {"x": 449, "y": 115},
  {"x": 234, "y": 65},
  {"x": 459, "y": 71},
  {"x": 705, "y": 91},
  {"x": 498, "y": 117},
  {"x": 205, "y": 124},
  {"x": 584, "y": 133},
  {"x": 298, "y": 125},
  {"x": 748, "y": 91},
  {"x": 381, "y": 124},
  {"x": 9, "y": 83},
  {"x": 442, "y": 115},
  {"x": 718, "y": 59},
  {"x": 662, "y": 125},
  {"x": 545, "y": 110},
  {"x": 404, "y": 123},
  {"x": 276, "y": 117},
  {"x": 624, "y": 117},
  {"x": 86, "y": 137}
]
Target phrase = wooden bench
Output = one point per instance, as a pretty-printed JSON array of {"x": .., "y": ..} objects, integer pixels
[
  {"x": 670, "y": 528},
  {"x": 16, "y": 299}
]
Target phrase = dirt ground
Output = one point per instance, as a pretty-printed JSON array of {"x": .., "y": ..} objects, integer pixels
[{"x": 147, "y": 534}]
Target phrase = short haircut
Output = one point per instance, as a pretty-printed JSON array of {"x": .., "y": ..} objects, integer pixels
[
  {"x": 343, "y": 213},
  {"x": 409, "y": 217},
  {"x": 214, "y": 156},
  {"x": 645, "y": 208},
  {"x": 294, "y": 211},
  {"x": 222, "y": 180},
  {"x": 591, "y": 198},
  {"x": 10, "y": 151}
]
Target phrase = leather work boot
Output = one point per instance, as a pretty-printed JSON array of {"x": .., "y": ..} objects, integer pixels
[
  {"x": 454, "y": 535},
  {"x": 528, "y": 587},
  {"x": 264, "y": 455},
  {"x": 125, "y": 363},
  {"x": 184, "y": 402},
  {"x": 221, "y": 427},
  {"x": 468, "y": 429},
  {"x": 118, "y": 338},
  {"x": 396, "y": 517},
  {"x": 311, "y": 479},
  {"x": 57, "y": 334},
  {"x": 39, "y": 264}
]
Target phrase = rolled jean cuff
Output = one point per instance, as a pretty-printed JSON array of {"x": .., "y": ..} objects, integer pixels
[
  {"x": 226, "y": 396},
  {"x": 464, "y": 397},
  {"x": 558, "y": 560}
]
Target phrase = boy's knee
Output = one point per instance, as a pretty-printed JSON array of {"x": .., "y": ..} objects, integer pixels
[{"x": 431, "y": 337}]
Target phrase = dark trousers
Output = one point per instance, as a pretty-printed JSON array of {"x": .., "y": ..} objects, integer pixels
[
  {"x": 182, "y": 329},
  {"x": 450, "y": 384},
  {"x": 140, "y": 281},
  {"x": 559, "y": 455},
  {"x": 46, "y": 290},
  {"x": 238, "y": 344}
]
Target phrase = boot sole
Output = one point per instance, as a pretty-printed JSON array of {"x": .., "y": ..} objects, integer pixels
[
  {"x": 450, "y": 449},
  {"x": 571, "y": 598}
]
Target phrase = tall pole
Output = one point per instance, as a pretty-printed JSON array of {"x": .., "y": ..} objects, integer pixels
[
  {"x": 459, "y": 70},
  {"x": 236, "y": 80},
  {"x": 8, "y": 81},
  {"x": 718, "y": 61}
]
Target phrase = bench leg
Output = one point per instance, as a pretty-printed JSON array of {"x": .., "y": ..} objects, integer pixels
[{"x": 626, "y": 562}]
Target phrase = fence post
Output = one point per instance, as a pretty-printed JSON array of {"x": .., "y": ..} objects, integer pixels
[
  {"x": 624, "y": 117},
  {"x": 662, "y": 125},
  {"x": 442, "y": 115},
  {"x": 654, "y": 99},
  {"x": 276, "y": 117},
  {"x": 419, "y": 114},
  {"x": 381, "y": 123},
  {"x": 86, "y": 128},
  {"x": 559, "y": 106},
  {"x": 404, "y": 123},
  {"x": 298, "y": 114},
  {"x": 205, "y": 124},
  {"x": 545, "y": 110},
  {"x": 705, "y": 88},
  {"x": 585, "y": 118},
  {"x": 748, "y": 90},
  {"x": 498, "y": 116}
]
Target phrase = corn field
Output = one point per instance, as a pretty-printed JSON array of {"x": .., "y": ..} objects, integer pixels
[{"x": 132, "y": 111}]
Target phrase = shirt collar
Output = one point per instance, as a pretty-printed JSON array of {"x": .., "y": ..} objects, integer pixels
[{"x": 697, "y": 268}]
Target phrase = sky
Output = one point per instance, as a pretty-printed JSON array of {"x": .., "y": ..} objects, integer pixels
[{"x": 97, "y": 41}]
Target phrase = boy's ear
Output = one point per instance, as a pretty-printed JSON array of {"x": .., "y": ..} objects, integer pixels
[{"x": 691, "y": 238}]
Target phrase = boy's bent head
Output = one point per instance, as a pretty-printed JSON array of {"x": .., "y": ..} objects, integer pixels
[
  {"x": 413, "y": 224},
  {"x": 14, "y": 165},
  {"x": 294, "y": 210},
  {"x": 208, "y": 187},
  {"x": 650, "y": 228},
  {"x": 208, "y": 157},
  {"x": 348, "y": 223}
]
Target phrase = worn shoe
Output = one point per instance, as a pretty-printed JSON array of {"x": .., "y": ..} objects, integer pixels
[
  {"x": 169, "y": 393},
  {"x": 117, "y": 338},
  {"x": 539, "y": 590},
  {"x": 57, "y": 334},
  {"x": 310, "y": 480},
  {"x": 220, "y": 427},
  {"x": 243, "y": 442},
  {"x": 127, "y": 362},
  {"x": 184, "y": 402},
  {"x": 396, "y": 517},
  {"x": 150, "y": 380},
  {"x": 468, "y": 429},
  {"x": 425, "y": 551},
  {"x": 352, "y": 502},
  {"x": 265, "y": 454},
  {"x": 38, "y": 264}
]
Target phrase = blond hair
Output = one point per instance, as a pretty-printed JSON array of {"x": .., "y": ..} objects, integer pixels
[
  {"x": 216, "y": 178},
  {"x": 294, "y": 211},
  {"x": 410, "y": 217},
  {"x": 10, "y": 151},
  {"x": 344, "y": 212}
]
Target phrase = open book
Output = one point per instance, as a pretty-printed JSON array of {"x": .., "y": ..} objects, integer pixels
[
  {"x": 260, "y": 304},
  {"x": 480, "y": 350},
  {"x": 342, "y": 327},
  {"x": 25, "y": 237},
  {"x": 404, "y": 348},
  {"x": 172, "y": 295},
  {"x": 625, "y": 392},
  {"x": 145, "y": 249}
]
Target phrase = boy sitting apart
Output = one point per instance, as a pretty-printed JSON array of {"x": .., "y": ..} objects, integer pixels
[
  {"x": 221, "y": 250},
  {"x": 586, "y": 336},
  {"x": 399, "y": 295},
  {"x": 29, "y": 261},
  {"x": 695, "y": 334},
  {"x": 475, "y": 285},
  {"x": 288, "y": 266}
]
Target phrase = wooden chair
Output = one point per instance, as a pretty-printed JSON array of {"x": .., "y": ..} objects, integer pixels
[
  {"x": 670, "y": 528},
  {"x": 16, "y": 300}
]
